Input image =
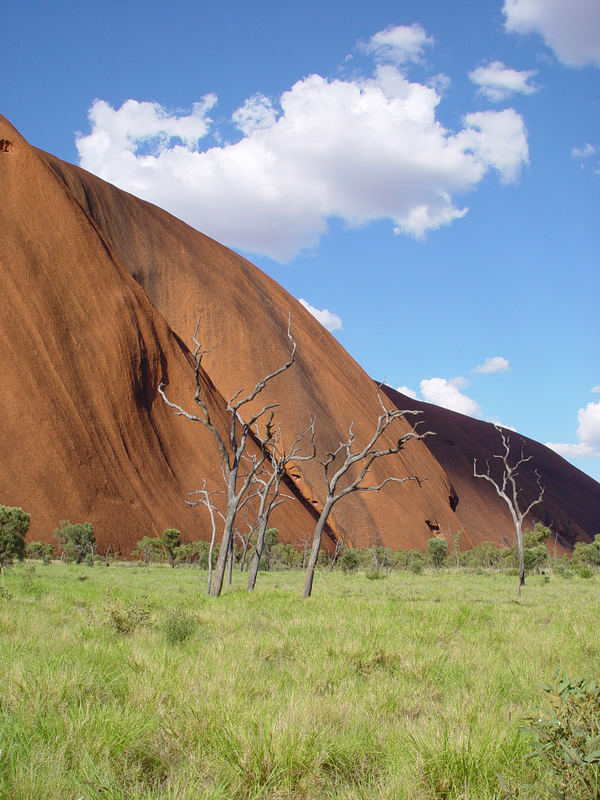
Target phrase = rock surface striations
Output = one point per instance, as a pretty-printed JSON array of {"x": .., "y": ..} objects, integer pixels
[{"x": 101, "y": 292}]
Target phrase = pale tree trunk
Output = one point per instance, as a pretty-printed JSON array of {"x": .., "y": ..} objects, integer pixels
[
  {"x": 245, "y": 546},
  {"x": 456, "y": 539},
  {"x": 211, "y": 550},
  {"x": 338, "y": 547},
  {"x": 263, "y": 521},
  {"x": 305, "y": 548},
  {"x": 205, "y": 499},
  {"x": 508, "y": 490},
  {"x": 219, "y": 573},
  {"x": 255, "y": 560},
  {"x": 374, "y": 560},
  {"x": 230, "y": 564},
  {"x": 521, "y": 548},
  {"x": 316, "y": 546}
]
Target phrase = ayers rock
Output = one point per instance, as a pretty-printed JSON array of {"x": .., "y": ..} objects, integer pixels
[
  {"x": 571, "y": 503},
  {"x": 100, "y": 296}
]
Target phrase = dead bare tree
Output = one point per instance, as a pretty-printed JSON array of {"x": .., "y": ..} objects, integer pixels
[
  {"x": 245, "y": 541},
  {"x": 361, "y": 459},
  {"x": 507, "y": 489},
  {"x": 304, "y": 543},
  {"x": 456, "y": 539},
  {"x": 339, "y": 546},
  {"x": 232, "y": 446},
  {"x": 205, "y": 499},
  {"x": 268, "y": 488}
]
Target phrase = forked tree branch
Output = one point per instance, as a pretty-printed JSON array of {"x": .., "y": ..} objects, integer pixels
[
  {"x": 232, "y": 447},
  {"x": 270, "y": 486},
  {"x": 362, "y": 458},
  {"x": 508, "y": 489}
]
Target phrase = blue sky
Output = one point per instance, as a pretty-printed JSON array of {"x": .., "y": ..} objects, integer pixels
[{"x": 427, "y": 172}]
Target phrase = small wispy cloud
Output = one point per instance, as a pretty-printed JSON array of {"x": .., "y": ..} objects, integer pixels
[
  {"x": 326, "y": 317},
  {"x": 490, "y": 365},
  {"x": 583, "y": 152},
  {"x": 497, "y": 82},
  {"x": 459, "y": 382},
  {"x": 399, "y": 44}
]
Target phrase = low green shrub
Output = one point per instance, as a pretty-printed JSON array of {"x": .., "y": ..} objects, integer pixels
[
  {"x": 349, "y": 561},
  {"x": 14, "y": 524},
  {"x": 568, "y": 739},
  {"x": 41, "y": 551},
  {"x": 562, "y": 567},
  {"x": 566, "y": 744},
  {"x": 179, "y": 626},
  {"x": 30, "y": 585},
  {"x": 126, "y": 618},
  {"x": 75, "y": 540}
]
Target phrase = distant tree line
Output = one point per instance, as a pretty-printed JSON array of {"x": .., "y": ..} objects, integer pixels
[
  {"x": 76, "y": 543},
  {"x": 379, "y": 561}
]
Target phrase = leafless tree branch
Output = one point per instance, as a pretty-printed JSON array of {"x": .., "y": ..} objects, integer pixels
[
  {"x": 280, "y": 460},
  {"x": 507, "y": 488},
  {"x": 232, "y": 447},
  {"x": 364, "y": 457}
]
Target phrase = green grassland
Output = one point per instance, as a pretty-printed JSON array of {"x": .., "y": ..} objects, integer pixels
[{"x": 412, "y": 687}]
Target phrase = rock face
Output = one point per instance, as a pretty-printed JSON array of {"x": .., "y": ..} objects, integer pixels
[
  {"x": 101, "y": 293},
  {"x": 571, "y": 503},
  {"x": 85, "y": 435}
]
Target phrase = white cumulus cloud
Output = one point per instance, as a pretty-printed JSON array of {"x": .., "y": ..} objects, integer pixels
[
  {"x": 408, "y": 392},
  {"x": 327, "y": 319},
  {"x": 256, "y": 113},
  {"x": 122, "y": 131},
  {"x": 399, "y": 44},
  {"x": 358, "y": 150},
  {"x": 447, "y": 392},
  {"x": 499, "y": 139},
  {"x": 570, "y": 27},
  {"x": 497, "y": 82},
  {"x": 588, "y": 434},
  {"x": 442, "y": 392},
  {"x": 493, "y": 364}
]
